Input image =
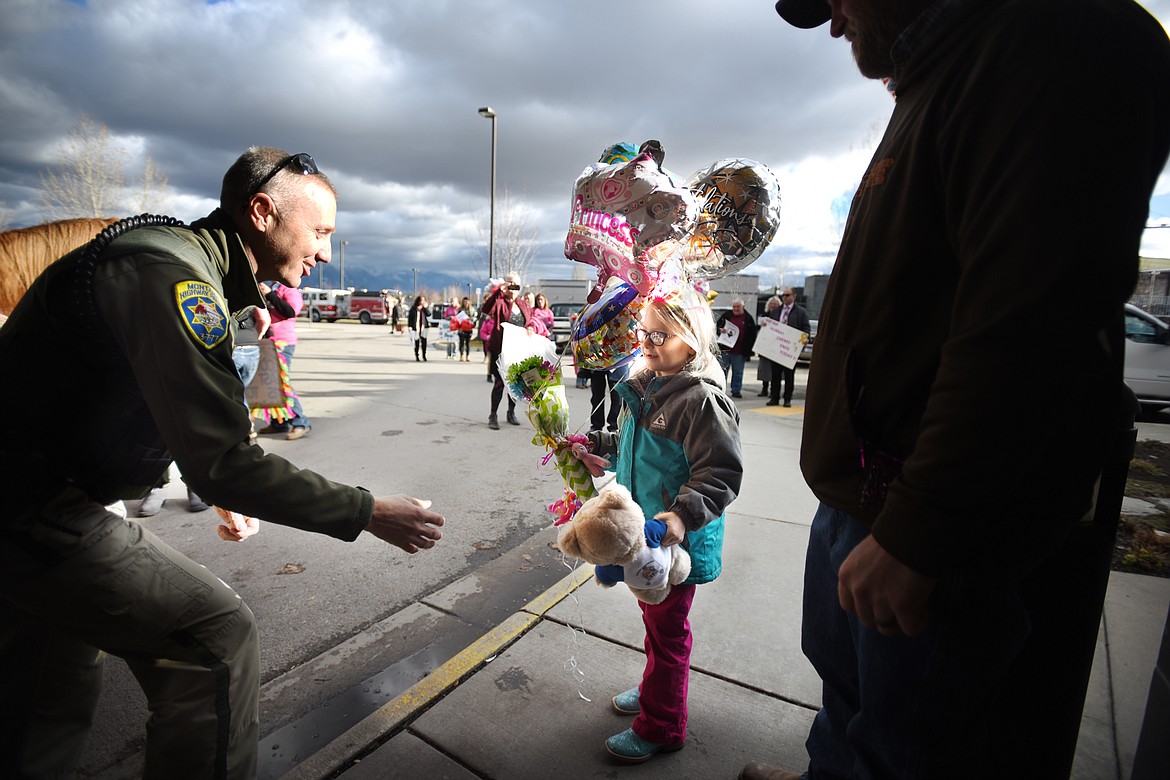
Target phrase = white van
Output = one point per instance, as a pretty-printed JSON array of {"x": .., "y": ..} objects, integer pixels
[{"x": 1147, "y": 358}]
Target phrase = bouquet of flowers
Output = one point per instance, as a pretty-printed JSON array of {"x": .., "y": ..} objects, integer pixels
[
  {"x": 528, "y": 377},
  {"x": 532, "y": 374}
]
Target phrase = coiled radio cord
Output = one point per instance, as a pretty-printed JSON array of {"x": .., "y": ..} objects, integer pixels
[{"x": 85, "y": 270}]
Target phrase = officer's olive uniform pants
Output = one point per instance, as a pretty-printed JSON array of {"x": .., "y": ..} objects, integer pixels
[{"x": 81, "y": 581}]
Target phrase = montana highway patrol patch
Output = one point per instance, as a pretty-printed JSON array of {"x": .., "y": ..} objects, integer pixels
[{"x": 203, "y": 312}]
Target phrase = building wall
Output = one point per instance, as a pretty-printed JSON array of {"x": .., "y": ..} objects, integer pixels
[{"x": 814, "y": 294}]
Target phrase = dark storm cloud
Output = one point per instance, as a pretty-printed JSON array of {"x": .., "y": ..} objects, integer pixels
[{"x": 384, "y": 95}]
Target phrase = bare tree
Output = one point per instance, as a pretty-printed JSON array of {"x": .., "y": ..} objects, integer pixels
[
  {"x": 90, "y": 181},
  {"x": 515, "y": 242},
  {"x": 155, "y": 195}
]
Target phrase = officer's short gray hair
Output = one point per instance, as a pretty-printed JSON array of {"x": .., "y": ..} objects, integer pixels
[{"x": 248, "y": 172}]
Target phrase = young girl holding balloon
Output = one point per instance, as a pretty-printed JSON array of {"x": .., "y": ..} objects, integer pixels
[{"x": 678, "y": 451}]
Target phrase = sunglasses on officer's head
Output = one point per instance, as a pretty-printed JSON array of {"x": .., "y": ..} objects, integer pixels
[{"x": 303, "y": 162}]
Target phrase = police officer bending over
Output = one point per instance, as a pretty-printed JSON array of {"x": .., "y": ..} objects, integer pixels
[{"x": 140, "y": 330}]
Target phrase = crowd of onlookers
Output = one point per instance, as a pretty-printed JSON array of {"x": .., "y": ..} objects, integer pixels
[{"x": 454, "y": 324}]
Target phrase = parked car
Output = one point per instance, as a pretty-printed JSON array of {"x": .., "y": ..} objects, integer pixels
[
  {"x": 564, "y": 315},
  {"x": 806, "y": 352},
  {"x": 1147, "y": 358},
  {"x": 440, "y": 325}
]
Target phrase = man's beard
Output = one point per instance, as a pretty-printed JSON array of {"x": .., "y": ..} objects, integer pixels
[{"x": 874, "y": 32}]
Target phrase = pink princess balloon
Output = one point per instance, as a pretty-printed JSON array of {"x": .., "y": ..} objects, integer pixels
[{"x": 623, "y": 211}]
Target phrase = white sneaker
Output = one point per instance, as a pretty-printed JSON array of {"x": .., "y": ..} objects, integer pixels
[{"x": 153, "y": 502}]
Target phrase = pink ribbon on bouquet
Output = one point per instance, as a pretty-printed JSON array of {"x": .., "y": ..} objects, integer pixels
[
  {"x": 579, "y": 445},
  {"x": 565, "y": 508}
]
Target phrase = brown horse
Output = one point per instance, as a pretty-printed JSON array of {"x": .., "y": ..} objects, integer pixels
[{"x": 25, "y": 252}]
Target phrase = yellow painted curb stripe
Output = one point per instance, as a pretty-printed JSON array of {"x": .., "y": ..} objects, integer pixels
[
  {"x": 396, "y": 713},
  {"x": 779, "y": 411},
  {"x": 554, "y": 595}
]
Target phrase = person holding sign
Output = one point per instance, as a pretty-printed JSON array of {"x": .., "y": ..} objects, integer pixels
[
  {"x": 764, "y": 371},
  {"x": 793, "y": 315},
  {"x": 737, "y": 335}
]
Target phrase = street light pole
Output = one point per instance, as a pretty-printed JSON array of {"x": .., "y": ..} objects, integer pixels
[
  {"x": 487, "y": 113},
  {"x": 415, "y": 281},
  {"x": 341, "y": 264}
]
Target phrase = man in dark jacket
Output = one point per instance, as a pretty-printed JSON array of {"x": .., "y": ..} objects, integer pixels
[
  {"x": 954, "y": 566},
  {"x": 793, "y": 315},
  {"x": 737, "y": 337},
  {"x": 143, "y": 322}
]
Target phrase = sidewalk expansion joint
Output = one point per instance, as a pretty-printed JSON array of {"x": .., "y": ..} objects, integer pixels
[{"x": 393, "y": 716}]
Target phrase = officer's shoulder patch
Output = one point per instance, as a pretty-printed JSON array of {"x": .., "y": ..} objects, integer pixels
[{"x": 203, "y": 311}]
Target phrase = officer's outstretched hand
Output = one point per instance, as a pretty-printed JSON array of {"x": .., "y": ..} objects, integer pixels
[
  {"x": 405, "y": 522},
  {"x": 236, "y": 527}
]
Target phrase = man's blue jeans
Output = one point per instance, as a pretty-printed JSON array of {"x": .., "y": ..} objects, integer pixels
[
  {"x": 907, "y": 707},
  {"x": 735, "y": 363},
  {"x": 247, "y": 360}
]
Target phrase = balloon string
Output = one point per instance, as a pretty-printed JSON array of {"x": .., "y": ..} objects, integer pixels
[
  {"x": 571, "y": 665},
  {"x": 557, "y": 369}
]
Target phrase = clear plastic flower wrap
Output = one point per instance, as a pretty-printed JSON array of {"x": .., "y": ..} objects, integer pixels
[
  {"x": 528, "y": 363},
  {"x": 531, "y": 370}
]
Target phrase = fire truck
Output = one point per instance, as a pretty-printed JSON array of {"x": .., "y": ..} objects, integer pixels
[
  {"x": 321, "y": 304},
  {"x": 369, "y": 306}
]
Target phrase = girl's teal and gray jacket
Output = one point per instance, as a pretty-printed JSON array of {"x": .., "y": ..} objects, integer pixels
[{"x": 679, "y": 452}]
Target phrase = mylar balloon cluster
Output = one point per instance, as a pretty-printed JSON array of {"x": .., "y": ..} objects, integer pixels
[{"x": 631, "y": 219}]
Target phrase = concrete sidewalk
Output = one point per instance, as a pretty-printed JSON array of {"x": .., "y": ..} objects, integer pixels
[{"x": 531, "y": 698}]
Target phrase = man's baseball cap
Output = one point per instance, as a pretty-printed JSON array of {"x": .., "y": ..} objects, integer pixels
[{"x": 805, "y": 14}]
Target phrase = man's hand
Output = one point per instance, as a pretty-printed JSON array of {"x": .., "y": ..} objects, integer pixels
[
  {"x": 262, "y": 319},
  {"x": 405, "y": 522},
  {"x": 883, "y": 592},
  {"x": 236, "y": 527}
]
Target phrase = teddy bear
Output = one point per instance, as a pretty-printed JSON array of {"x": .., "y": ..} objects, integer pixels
[{"x": 610, "y": 531}]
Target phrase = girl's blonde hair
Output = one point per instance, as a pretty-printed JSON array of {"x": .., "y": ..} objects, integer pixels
[{"x": 689, "y": 317}]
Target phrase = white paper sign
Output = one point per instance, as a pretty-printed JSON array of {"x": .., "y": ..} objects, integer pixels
[
  {"x": 779, "y": 343},
  {"x": 729, "y": 335}
]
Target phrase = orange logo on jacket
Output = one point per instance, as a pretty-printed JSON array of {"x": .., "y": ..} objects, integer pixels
[{"x": 876, "y": 175}]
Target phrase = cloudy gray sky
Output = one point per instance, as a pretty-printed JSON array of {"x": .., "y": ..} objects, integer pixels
[{"x": 384, "y": 94}]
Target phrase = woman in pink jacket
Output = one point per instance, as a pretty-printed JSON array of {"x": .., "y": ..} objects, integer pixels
[
  {"x": 503, "y": 305},
  {"x": 285, "y": 303},
  {"x": 542, "y": 316}
]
